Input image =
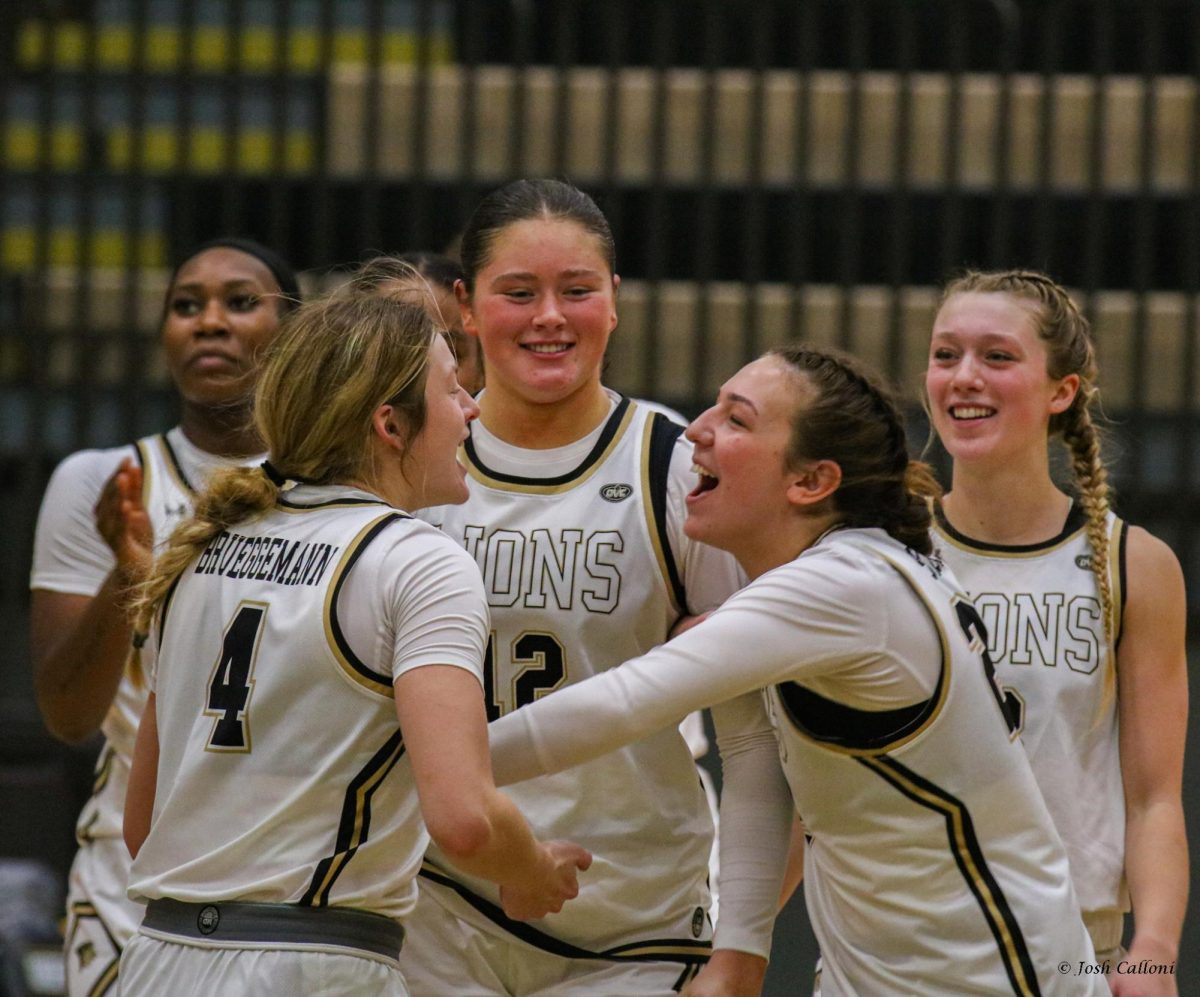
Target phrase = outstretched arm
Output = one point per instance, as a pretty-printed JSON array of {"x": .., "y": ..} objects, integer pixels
[
  {"x": 80, "y": 643},
  {"x": 1152, "y": 700}
]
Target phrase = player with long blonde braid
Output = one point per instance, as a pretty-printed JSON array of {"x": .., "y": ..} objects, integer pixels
[{"x": 1085, "y": 614}]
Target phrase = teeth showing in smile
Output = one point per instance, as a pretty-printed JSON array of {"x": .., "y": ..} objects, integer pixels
[
  {"x": 697, "y": 469},
  {"x": 548, "y": 347},
  {"x": 971, "y": 412}
]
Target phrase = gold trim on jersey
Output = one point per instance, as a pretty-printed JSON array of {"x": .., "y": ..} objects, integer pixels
[
  {"x": 104, "y": 769},
  {"x": 1015, "y": 555},
  {"x": 970, "y": 860},
  {"x": 344, "y": 663},
  {"x": 583, "y": 475},
  {"x": 660, "y": 556},
  {"x": 355, "y": 820},
  {"x": 172, "y": 463},
  {"x": 942, "y": 689},
  {"x": 144, "y": 458},
  {"x": 85, "y": 908}
]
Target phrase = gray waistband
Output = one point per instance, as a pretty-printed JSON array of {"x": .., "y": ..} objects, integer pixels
[{"x": 285, "y": 924}]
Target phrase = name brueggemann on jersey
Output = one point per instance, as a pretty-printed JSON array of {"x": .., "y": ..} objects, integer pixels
[{"x": 271, "y": 559}]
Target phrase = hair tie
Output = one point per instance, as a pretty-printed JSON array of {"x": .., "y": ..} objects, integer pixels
[{"x": 273, "y": 474}]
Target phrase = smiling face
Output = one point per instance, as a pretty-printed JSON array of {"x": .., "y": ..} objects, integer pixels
[
  {"x": 742, "y": 500},
  {"x": 431, "y": 466},
  {"x": 543, "y": 307},
  {"x": 221, "y": 311},
  {"x": 990, "y": 395}
]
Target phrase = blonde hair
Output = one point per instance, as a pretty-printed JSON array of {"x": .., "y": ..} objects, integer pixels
[
  {"x": 1069, "y": 350},
  {"x": 334, "y": 362}
]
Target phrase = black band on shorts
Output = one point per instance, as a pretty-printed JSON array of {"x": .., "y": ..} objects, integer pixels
[{"x": 276, "y": 924}]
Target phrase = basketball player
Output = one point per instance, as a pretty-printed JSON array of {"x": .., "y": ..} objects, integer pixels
[
  {"x": 933, "y": 866},
  {"x": 102, "y": 514},
  {"x": 316, "y": 700},
  {"x": 1073, "y": 599},
  {"x": 575, "y": 521},
  {"x": 428, "y": 278}
]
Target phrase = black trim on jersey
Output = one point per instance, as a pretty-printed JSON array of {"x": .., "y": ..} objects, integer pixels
[
  {"x": 335, "y": 628},
  {"x": 664, "y": 434},
  {"x": 1123, "y": 540},
  {"x": 999, "y": 916},
  {"x": 86, "y": 908},
  {"x": 606, "y": 437},
  {"x": 830, "y": 722},
  {"x": 166, "y": 605},
  {"x": 354, "y": 828},
  {"x": 304, "y": 507},
  {"x": 174, "y": 459},
  {"x": 1076, "y": 521},
  {"x": 555, "y": 946}
]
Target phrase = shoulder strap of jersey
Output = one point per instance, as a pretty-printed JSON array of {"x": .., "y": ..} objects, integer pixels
[
  {"x": 1117, "y": 536},
  {"x": 664, "y": 434}
]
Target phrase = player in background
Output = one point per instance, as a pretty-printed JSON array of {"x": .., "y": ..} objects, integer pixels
[
  {"x": 1085, "y": 614},
  {"x": 103, "y": 513},
  {"x": 575, "y": 520},
  {"x": 316, "y": 701},
  {"x": 933, "y": 865}
]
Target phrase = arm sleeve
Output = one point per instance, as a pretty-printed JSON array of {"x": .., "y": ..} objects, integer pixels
[
  {"x": 756, "y": 822},
  {"x": 797, "y": 621},
  {"x": 69, "y": 555}
]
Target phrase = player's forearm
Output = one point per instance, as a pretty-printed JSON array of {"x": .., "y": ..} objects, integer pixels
[
  {"x": 77, "y": 671},
  {"x": 1156, "y": 868},
  {"x": 495, "y": 844}
]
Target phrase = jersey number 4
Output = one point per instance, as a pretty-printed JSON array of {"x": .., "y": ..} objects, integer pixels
[
  {"x": 539, "y": 664},
  {"x": 232, "y": 679}
]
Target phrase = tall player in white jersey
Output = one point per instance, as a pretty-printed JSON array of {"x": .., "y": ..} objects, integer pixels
[
  {"x": 317, "y": 689},
  {"x": 102, "y": 513},
  {"x": 1085, "y": 615},
  {"x": 933, "y": 866},
  {"x": 575, "y": 521}
]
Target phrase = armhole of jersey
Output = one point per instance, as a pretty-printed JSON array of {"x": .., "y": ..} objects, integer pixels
[
  {"x": 1116, "y": 560},
  {"x": 350, "y": 663},
  {"x": 166, "y": 605},
  {"x": 663, "y": 436}
]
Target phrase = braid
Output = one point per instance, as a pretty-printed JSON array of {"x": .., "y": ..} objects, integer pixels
[
  {"x": 1082, "y": 441},
  {"x": 234, "y": 495}
]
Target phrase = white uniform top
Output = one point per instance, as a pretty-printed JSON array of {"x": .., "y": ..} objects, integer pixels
[
  {"x": 281, "y": 775},
  {"x": 70, "y": 556},
  {"x": 1041, "y": 606},
  {"x": 585, "y": 564},
  {"x": 933, "y": 865}
]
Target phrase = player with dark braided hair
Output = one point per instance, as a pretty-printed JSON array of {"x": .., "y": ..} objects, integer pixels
[
  {"x": 1085, "y": 615},
  {"x": 933, "y": 866}
]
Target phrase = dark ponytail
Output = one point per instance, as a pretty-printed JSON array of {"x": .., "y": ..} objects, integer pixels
[{"x": 854, "y": 421}]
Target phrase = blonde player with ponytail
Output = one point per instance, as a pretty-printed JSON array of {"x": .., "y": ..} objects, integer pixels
[
  {"x": 316, "y": 707},
  {"x": 1085, "y": 615}
]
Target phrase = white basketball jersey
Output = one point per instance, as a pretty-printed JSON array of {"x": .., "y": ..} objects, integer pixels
[
  {"x": 282, "y": 775},
  {"x": 168, "y": 496},
  {"x": 958, "y": 864},
  {"x": 1041, "y": 606},
  {"x": 579, "y": 577}
]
